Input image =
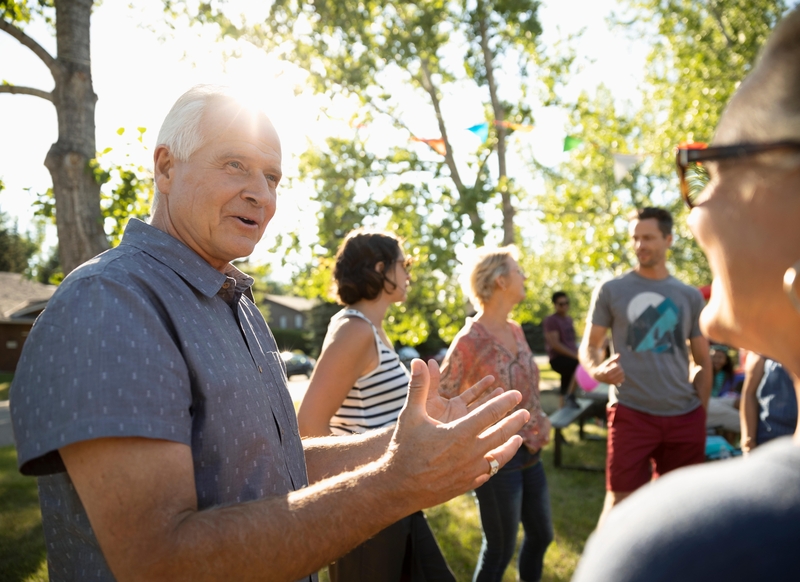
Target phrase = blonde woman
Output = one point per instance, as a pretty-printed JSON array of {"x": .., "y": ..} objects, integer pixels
[{"x": 492, "y": 344}]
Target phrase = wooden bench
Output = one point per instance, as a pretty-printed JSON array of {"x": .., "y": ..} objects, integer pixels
[{"x": 562, "y": 418}]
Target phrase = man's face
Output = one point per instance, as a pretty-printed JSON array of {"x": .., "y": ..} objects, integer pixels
[
  {"x": 220, "y": 201},
  {"x": 562, "y": 305},
  {"x": 649, "y": 242},
  {"x": 746, "y": 222}
]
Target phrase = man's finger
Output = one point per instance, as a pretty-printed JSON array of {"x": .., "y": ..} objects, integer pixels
[
  {"x": 502, "y": 454},
  {"x": 478, "y": 390},
  {"x": 418, "y": 386},
  {"x": 491, "y": 412},
  {"x": 433, "y": 371},
  {"x": 500, "y": 432}
]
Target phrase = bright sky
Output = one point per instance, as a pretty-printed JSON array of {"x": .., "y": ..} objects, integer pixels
[{"x": 138, "y": 75}]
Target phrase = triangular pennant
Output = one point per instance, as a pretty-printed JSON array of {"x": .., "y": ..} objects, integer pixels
[
  {"x": 571, "y": 142},
  {"x": 436, "y": 144},
  {"x": 481, "y": 130},
  {"x": 514, "y": 126},
  {"x": 623, "y": 164}
]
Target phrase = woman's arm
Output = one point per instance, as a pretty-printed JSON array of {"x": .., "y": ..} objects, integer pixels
[
  {"x": 748, "y": 408},
  {"x": 347, "y": 354}
]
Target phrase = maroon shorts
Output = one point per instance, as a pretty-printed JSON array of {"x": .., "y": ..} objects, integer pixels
[{"x": 642, "y": 446}]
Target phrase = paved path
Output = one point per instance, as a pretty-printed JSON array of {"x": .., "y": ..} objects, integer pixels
[{"x": 6, "y": 434}]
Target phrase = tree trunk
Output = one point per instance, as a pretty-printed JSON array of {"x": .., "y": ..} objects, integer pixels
[
  {"x": 499, "y": 115},
  {"x": 78, "y": 219}
]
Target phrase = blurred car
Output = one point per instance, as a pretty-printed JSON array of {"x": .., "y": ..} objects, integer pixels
[
  {"x": 297, "y": 364},
  {"x": 406, "y": 354}
]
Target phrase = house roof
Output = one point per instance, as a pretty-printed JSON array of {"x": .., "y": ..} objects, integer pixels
[
  {"x": 21, "y": 298},
  {"x": 300, "y": 304}
]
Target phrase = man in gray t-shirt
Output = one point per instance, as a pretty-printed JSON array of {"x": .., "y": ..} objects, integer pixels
[{"x": 656, "y": 412}]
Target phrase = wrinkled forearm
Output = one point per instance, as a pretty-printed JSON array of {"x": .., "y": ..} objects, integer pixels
[
  {"x": 329, "y": 456},
  {"x": 282, "y": 538}
]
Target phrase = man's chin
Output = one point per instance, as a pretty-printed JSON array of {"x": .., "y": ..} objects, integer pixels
[{"x": 718, "y": 323}]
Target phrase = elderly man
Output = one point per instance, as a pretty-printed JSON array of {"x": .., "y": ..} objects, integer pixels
[
  {"x": 734, "y": 520},
  {"x": 151, "y": 400},
  {"x": 657, "y": 413}
]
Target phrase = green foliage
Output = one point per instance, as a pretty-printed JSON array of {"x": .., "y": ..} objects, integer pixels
[
  {"x": 701, "y": 52},
  {"x": 20, "y": 11},
  {"x": 16, "y": 249},
  {"x": 126, "y": 189},
  {"x": 378, "y": 54}
]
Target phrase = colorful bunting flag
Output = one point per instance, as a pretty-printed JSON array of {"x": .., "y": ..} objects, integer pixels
[
  {"x": 571, "y": 143},
  {"x": 514, "y": 126},
  {"x": 436, "y": 144},
  {"x": 481, "y": 130},
  {"x": 623, "y": 164}
]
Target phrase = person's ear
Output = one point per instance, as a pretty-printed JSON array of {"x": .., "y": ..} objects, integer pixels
[
  {"x": 669, "y": 240},
  {"x": 163, "y": 169},
  {"x": 380, "y": 266}
]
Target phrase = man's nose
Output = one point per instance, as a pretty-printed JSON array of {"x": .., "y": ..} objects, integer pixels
[{"x": 258, "y": 191}]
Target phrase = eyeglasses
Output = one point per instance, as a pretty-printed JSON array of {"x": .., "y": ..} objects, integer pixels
[{"x": 689, "y": 158}]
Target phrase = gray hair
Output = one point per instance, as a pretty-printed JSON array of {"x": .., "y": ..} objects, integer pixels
[
  {"x": 489, "y": 264},
  {"x": 182, "y": 131}
]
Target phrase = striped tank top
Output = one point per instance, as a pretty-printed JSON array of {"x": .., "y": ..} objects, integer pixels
[{"x": 377, "y": 398}]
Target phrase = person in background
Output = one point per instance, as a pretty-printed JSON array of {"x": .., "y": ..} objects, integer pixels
[
  {"x": 723, "y": 406},
  {"x": 559, "y": 336},
  {"x": 491, "y": 343},
  {"x": 358, "y": 385},
  {"x": 769, "y": 403},
  {"x": 734, "y": 520},
  {"x": 656, "y": 413}
]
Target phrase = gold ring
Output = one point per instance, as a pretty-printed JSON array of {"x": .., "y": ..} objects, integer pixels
[{"x": 494, "y": 466}]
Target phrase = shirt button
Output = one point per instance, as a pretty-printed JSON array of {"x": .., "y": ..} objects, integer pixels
[
  {"x": 226, "y": 285},
  {"x": 259, "y": 370}
]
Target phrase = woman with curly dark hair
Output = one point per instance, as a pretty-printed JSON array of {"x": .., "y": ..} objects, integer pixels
[{"x": 359, "y": 384}]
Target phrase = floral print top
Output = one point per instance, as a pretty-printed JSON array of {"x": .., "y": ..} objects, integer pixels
[{"x": 476, "y": 353}]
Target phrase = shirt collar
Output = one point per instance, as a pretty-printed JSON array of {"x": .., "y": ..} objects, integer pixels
[{"x": 174, "y": 254}]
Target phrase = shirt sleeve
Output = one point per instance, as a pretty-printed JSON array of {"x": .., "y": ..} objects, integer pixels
[
  {"x": 549, "y": 324},
  {"x": 600, "y": 308},
  {"x": 99, "y": 362}
]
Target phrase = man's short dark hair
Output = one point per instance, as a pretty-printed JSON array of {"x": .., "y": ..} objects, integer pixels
[
  {"x": 558, "y": 295},
  {"x": 663, "y": 217}
]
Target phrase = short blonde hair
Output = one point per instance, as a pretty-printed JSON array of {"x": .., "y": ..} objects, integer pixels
[{"x": 489, "y": 264}]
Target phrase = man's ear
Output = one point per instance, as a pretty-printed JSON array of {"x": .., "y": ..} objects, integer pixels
[
  {"x": 163, "y": 169},
  {"x": 669, "y": 240}
]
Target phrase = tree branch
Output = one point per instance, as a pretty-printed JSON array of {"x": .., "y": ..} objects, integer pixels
[
  {"x": 714, "y": 10},
  {"x": 34, "y": 46},
  {"x": 16, "y": 90}
]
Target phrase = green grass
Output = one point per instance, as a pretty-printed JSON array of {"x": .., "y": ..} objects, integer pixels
[
  {"x": 576, "y": 499},
  {"x": 22, "y": 553}
]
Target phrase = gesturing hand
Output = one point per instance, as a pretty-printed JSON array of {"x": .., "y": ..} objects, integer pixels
[
  {"x": 448, "y": 409},
  {"x": 610, "y": 371},
  {"x": 440, "y": 455}
]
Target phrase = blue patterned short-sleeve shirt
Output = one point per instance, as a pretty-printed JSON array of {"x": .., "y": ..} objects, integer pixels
[{"x": 148, "y": 340}]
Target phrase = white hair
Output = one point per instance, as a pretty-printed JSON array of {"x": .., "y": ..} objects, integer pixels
[{"x": 182, "y": 131}]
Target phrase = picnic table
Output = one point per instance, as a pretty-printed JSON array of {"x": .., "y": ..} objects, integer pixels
[{"x": 588, "y": 405}]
